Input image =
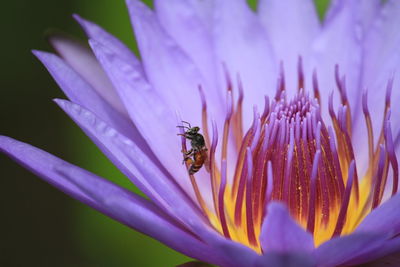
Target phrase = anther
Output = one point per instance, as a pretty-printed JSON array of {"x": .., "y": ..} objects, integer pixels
[
  {"x": 317, "y": 94},
  {"x": 300, "y": 73}
]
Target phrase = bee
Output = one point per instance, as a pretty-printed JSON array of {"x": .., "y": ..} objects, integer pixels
[
  {"x": 197, "y": 155},
  {"x": 199, "y": 158}
]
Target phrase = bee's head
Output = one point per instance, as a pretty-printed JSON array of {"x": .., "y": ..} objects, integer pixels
[{"x": 193, "y": 130}]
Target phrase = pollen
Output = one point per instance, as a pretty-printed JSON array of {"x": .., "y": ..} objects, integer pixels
[{"x": 290, "y": 154}]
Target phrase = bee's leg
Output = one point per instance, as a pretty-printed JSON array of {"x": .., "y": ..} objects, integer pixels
[
  {"x": 185, "y": 135},
  {"x": 189, "y": 160},
  {"x": 188, "y": 153}
]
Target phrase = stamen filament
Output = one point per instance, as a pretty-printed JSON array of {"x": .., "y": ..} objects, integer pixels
[
  {"x": 249, "y": 208},
  {"x": 204, "y": 117},
  {"x": 345, "y": 202},
  {"x": 288, "y": 154},
  {"x": 221, "y": 202},
  {"x": 213, "y": 171},
  {"x": 313, "y": 189},
  {"x": 391, "y": 154},
  {"x": 226, "y": 126},
  {"x": 196, "y": 190},
  {"x": 378, "y": 178},
  {"x": 369, "y": 126},
  {"x": 237, "y": 116}
]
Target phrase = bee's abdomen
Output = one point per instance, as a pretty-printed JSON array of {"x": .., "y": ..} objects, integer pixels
[{"x": 194, "y": 168}]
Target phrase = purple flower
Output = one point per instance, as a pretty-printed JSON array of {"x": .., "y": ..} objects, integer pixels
[{"x": 299, "y": 162}]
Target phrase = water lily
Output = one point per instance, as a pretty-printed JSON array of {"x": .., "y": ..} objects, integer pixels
[{"x": 300, "y": 138}]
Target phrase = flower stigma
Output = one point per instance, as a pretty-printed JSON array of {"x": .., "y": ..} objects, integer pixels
[{"x": 290, "y": 154}]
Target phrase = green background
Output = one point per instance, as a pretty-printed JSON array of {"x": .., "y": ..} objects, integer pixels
[{"x": 39, "y": 225}]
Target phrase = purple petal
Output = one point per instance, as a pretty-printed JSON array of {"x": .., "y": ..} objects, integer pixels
[
  {"x": 367, "y": 12},
  {"x": 126, "y": 156},
  {"x": 135, "y": 165},
  {"x": 238, "y": 255},
  {"x": 389, "y": 248},
  {"x": 82, "y": 60},
  {"x": 340, "y": 251},
  {"x": 364, "y": 14},
  {"x": 79, "y": 91},
  {"x": 280, "y": 233},
  {"x": 133, "y": 90},
  {"x": 205, "y": 10},
  {"x": 97, "y": 33},
  {"x": 156, "y": 184},
  {"x": 382, "y": 62},
  {"x": 286, "y": 260},
  {"x": 242, "y": 45},
  {"x": 108, "y": 198},
  {"x": 388, "y": 261},
  {"x": 384, "y": 219},
  {"x": 290, "y": 22},
  {"x": 182, "y": 21},
  {"x": 83, "y": 94},
  {"x": 339, "y": 43},
  {"x": 168, "y": 69}
]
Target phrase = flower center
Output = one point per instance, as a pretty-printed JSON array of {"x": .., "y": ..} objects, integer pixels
[{"x": 290, "y": 155}]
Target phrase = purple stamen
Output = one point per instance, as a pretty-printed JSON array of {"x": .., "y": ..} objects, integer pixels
[
  {"x": 345, "y": 202},
  {"x": 221, "y": 205}
]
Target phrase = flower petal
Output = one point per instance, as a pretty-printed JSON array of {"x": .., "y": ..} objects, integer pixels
[
  {"x": 82, "y": 60},
  {"x": 382, "y": 62},
  {"x": 242, "y": 45},
  {"x": 290, "y": 22},
  {"x": 97, "y": 33},
  {"x": 387, "y": 261},
  {"x": 108, "y": 198},
  {"x": 155, "y": 183},
  {"x": 385, "y": 218},
  {"x": 364, "y": 14},
  {"x": 82, "y": 93},
  {"x": 168, "y": 69},
  {"x": 79, "y": 91},
  {"x": 286, "y": 260},
  {"x": 237, "y": 255},
  {"x": 383, "y": 254},
  {"x": 205, "y": 10},
  {"x": 339, "y": 43},
  {"x": 281, "y": 234},
  {"x": 340, "y": 251},
  {"x": 133, "y": 89},
  {"x": 183, "y": 23}
]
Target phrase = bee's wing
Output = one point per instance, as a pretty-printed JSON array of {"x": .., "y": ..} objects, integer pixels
[{"x": 206, "y": 161}]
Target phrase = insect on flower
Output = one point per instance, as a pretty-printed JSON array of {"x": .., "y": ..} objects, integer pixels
[
  {"x": 198, "y": 148},
  {"x": 311, "y": 181}
]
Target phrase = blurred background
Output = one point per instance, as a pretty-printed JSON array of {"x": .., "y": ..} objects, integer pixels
[{"x": 39, "y": 225}]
